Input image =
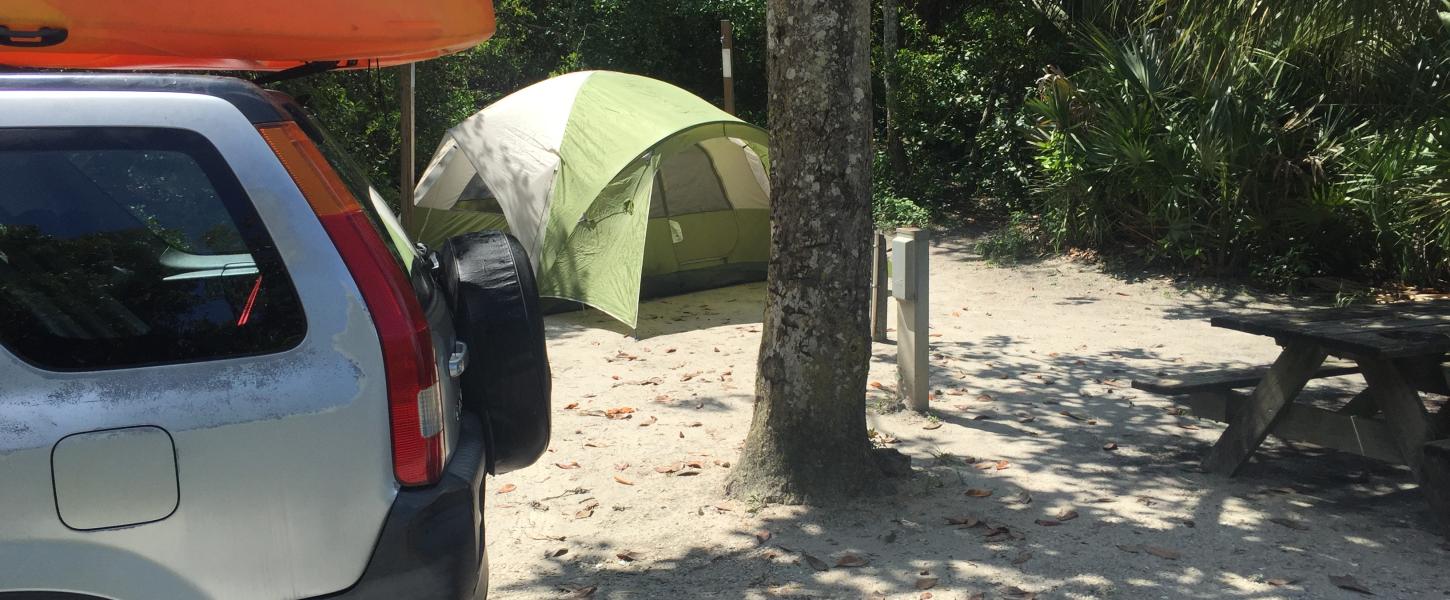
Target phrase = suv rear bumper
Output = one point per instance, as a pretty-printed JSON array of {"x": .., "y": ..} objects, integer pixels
[{"x": 431, "y": 546}]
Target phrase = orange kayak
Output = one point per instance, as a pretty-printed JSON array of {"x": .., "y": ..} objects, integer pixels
[{"x": 253, "y": 35}]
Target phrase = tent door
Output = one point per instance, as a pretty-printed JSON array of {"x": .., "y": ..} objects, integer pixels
[{"x": 702, "y": 225}]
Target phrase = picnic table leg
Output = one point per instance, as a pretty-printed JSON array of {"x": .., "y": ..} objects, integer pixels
[
  {"x": 1250, "y": 425},
  {"x": 1404, "y": 410},
  {"x": 1414, "y": 431},
  {"x": 1437, "y": 481}
]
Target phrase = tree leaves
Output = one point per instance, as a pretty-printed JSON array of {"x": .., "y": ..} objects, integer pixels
[{"x": 1347, "y": 582}]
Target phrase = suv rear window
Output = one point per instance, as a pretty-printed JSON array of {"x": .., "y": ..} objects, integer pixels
[{"x": 122, "y": 247}]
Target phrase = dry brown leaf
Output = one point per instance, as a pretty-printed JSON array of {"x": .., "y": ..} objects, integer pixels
[
  {"x": 571, "y": 406},
  {"x": 581, "y": 592},
  {"x": 1018, "y": 593},
  {"x": 1280, "y": 581},
  {"x": 556, "y": 553},
  {"x": 877, "y": 385},
  {"x": 978, "y": 493},
  {"x": 964, "y": 521},
  {"x": 985, "y": 398},
  {"x": 506, "y": 488},
  {"x": 651, "y": 421},
  {"x": 695, "y": 464},
  {"x": 621, "y": 466},
  {"x": 815, "y": 563},
  {"x": 623, "y": 480},
  {"x": 932, "y": 425},
  {"x": 627, "y": 556},
  {"x": 668, "y": 468},
  {"x": 568, "y": 465},
  {"x": 926, "y": 583},
  {"x": 1347, "y": 582},
  {"x": 1162, "y": 552},
  {"x": 852, "y": 560},
  {"x": 1022, "y": 558},
  {"x": 1002, "y": 464},
  {"x": 584, "y": 513},
  {"x": 1066, "y": 515},
  {"x": 762, "y": 536},
  {"x": 622, "y": 412},
  {"x": 1047, "y": 522},
  {"x": 1110, "y": 446}
]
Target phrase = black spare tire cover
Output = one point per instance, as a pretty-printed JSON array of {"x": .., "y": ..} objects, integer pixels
[{"x": 490, "y": 286}]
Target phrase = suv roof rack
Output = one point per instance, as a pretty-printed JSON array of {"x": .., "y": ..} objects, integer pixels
[{"x": 251, "y": 100}]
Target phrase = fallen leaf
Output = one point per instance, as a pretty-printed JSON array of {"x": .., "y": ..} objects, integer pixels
[
  {"x": 1290, "y": 523},
  {"x": 1017, "y": 592},
  {"x": 1022, "y": 558},
  {"x": 851, "y": 560},
  {"x": 1347, "y": 582},
  {"x": 1066, "y": 515},
  {"x": 668, "y": 468},
  {"x": 978, "y": 493},
  {"x": 1002, "y": 464},
  {"x": 1110, "y": 446},
  {"x": 556, "y": 553},
  {"x": 651, "y": 421},
  {"x": 1162, "y": 552},
  {"x": 815, "y": 563},
  {"x": 985, "y": 398},
  {"x": 1023, "y": 417},
  {"x": 623, "y": 480},
  {"x": 932, "y": 425},
  {"x": 695, "y": 464},
  {"x": 1280, "y": 581},
  {"x": 1047, "y": 522},
  {"x": 1131, "y": 548},
  {"x": 581, "y": 592},
  {"x": 964, "y": 521},
  {"x": 926, "y": 583},
  {"x": 762, "y": 536},
  {"x": 622, "y": 412},
  {"x": 621, "y": 466},
  {"x": 568, "y": 465},
  {"x": 571, "y": 406},
  {"x": 627, "y": 556},
  {"x": 507, "y": 487},
  {"x": 877, "y": 385}
]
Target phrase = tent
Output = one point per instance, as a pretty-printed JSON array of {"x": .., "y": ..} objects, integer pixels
[{"x": 616, "y": 185}]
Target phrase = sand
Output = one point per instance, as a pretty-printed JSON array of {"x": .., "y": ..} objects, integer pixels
[{"x": 1032, "y": 365}]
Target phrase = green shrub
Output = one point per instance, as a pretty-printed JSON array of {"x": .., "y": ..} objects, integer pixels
[
  {"x": 1285, "y": 140},
  {"x": 891, "y": 211},
  {"x": 1019, "y": 239}
]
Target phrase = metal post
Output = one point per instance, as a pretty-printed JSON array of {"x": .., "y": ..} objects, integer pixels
[
  {"x": 910, "y": 285},
  {"x": 406, "y": 83},
  {"x": 880, "y": 287},
  {"x": 727, "y": 63}
]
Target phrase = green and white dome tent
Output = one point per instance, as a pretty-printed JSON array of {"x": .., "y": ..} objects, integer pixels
[{"x": 615, "y": 184}]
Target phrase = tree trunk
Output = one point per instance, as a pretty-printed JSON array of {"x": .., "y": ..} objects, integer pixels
[{"x": 807, "y": 441}]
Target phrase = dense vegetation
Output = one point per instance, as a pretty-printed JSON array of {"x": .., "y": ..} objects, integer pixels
[{"x": 1281, "y": 139}]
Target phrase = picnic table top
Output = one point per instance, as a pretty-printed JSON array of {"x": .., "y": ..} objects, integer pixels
[{"x": 1385, "y": 331}]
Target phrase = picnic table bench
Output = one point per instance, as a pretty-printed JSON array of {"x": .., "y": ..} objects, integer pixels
[{"x": 1399, "y": 350}]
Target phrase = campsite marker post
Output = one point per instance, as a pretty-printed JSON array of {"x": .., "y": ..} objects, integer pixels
[
  {"x": 727, "y": 62},
  {"x": 909, "y": 284},
  {"x": 880, "y": 290}
]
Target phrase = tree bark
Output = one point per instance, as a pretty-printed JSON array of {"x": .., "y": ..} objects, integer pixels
[{"x": 807, "y": 440}]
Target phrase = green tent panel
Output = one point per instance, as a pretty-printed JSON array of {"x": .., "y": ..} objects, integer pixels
[{"x": 617, "y": 185}]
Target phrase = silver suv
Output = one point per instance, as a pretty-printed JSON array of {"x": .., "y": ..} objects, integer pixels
[{"x": 225, "y": 372}]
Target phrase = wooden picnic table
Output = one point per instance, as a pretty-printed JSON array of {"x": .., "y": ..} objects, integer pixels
[{"x": 1399, "y": 349}]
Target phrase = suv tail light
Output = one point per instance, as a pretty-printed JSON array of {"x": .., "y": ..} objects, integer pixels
[{"x": 414, "y": 402}]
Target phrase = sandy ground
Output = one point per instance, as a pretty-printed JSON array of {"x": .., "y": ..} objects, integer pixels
[{"x": 1032, "y": 367}]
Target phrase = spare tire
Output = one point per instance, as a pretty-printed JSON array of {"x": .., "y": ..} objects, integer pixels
[{"x": 490, "y": 285}]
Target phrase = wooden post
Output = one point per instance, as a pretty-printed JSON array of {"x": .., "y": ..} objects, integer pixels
[
  {"x": 910, "y": 285},
  {"x": 727, "y": 62},
  {"x": 406, "y": 180},
  {"x": 880, "y": 287}
]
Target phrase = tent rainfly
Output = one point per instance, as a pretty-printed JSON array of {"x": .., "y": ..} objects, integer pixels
[{"x": 615, "y": 184}]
